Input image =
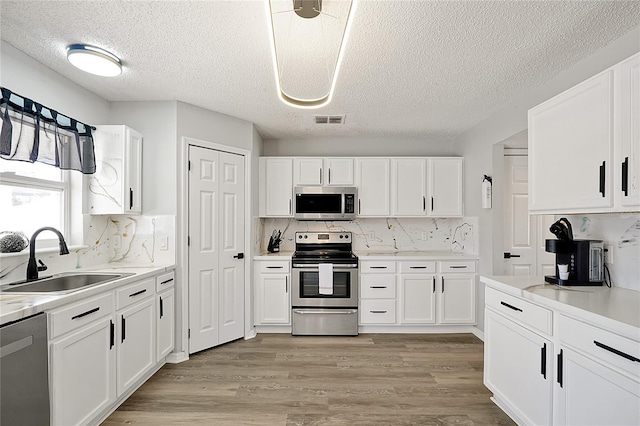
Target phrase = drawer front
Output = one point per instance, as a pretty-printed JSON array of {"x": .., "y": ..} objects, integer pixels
[
  {"x": 520, "y": 310},
  {"x": 135, "y": 292},
  {"x": 381, "y": 267},
  {"x": 610, "y": 348},
  {"x": 79, "y": 314},
  {"x": 165, "y": 281},
  {"x": 273, "y": 267},
  {"x": 374, "y": 286},
  {"x": 420, "y": 267},
  {"x": 373, "y": 311},
  {"x": 458, "y": 266}
]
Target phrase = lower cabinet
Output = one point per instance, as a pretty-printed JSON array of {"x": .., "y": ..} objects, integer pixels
[
  {"x": 457, "y": 299},
  {"x": 417, "y": 299},
  {"x": 272, "y": 303},
  {"x": 165, "y": 323}
]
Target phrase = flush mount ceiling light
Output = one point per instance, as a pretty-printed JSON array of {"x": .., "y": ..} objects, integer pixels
[
  {"x": 308, "y": 38},
  {"x": 94, "y": 60}
]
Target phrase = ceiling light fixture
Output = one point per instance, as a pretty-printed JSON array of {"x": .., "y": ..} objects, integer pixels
[
  {"x": 308, "y": 39},
  {"x": 94, "y": 60}
]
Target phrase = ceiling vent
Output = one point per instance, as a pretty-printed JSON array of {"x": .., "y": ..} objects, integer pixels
[{"x": 329, "y": 119}]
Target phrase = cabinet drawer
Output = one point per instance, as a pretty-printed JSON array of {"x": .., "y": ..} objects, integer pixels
[
  {"x": 165, "y": 281},
  {"x": 374, "y": 286},
  {"x": 458, "y": 266},
  {"x": 272, "y": 267},
  {"x": 373, "y": 311},
  {"x": 135, "y": 292},
  {"x": 79, "y": 314},
  {"x": 527, "y": 313},
  {"x": 608, "y": 347},
  {"x": 382, "y": 267},
  {"x": 420, "y": 267}
]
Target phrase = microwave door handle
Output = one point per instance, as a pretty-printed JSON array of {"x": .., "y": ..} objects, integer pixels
[{"x": 343, "y": 204}]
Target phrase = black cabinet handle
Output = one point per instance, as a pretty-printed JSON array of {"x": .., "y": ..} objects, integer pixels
[
  {"x": 460, "y": 266},
  {"x": 286, "y": 284},
  {"x": 510, "y": 306},
  {"x": 130, "y": 198},
  {"x": 603, "y": 169},
  {"x": 161, "y": 308},
  {"x": 442, "y": 284},
  {"x": 275, "y": 267},
  {"x": 615, "y": 351},
  {"x": 419, "y": 267},
  {"x": 167, "y": 281},
  {"x": 112, "y": 334},
  {"x": 124, "y": 327},
  {"x": 543, "y": 361},
  {"x": 84, "y": 314},
  {"x": 289, "y": 205},
  {"x": 378, "y": 267},
  {"x": 320, "y": 175},
  {"x": 434, "y": 284},
  {"x": 432, "y": 204},
  {"x": 378, "y": 312},
  {"x": 625, "y": 176},
  {"x": 329, "y": 170},
  {"x": 377, "y": 286},
  {"x": 137, "y": 293},
  {"x": 359, "y": 208},
  {"x": 559, "y": 379},
  {"x": 424, "y": 203}
]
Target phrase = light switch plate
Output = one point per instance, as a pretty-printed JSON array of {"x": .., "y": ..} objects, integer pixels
[{"x": 164, "y": 242}]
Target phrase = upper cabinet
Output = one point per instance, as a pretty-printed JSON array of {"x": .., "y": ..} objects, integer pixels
[
  {"x": 116, "y": 186},
  {"x": 311, "y": 171},
  {"x": 276, "y": 187},
  {"x": 372, "y": 180},
  {"x": 574, "y": 139},
  {"x": 426, "y": 187}
]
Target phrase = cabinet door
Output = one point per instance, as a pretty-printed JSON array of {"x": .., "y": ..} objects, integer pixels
[
  {"x": 417, "y": 299},
  {"x": 133, "y": 172},
  {"x": 570, "y": 148},
  {"x": 408, "y": 187},
  {"x": 338, "y": 171},
  {"x": 630, "y": 132},
  {"x": 276, "y": 186},
  {"x": 372, "y": 176},
  {"x": 83, "y": 380},
  {"x": 457, "y": 299},
  {"x": 307, "y": 171},
  {"x": 517, "y": 369},
  {"x": 445, "y": 187},
  {"x": 136, "y": 343},
  {"x": 273, "y": 303},
  {"x": 588, "y": 393},
  {"x": 165, "y": 323}
]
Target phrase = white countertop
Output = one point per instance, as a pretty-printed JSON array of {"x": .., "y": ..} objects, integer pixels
[
  {"x": 15, "y": 306},
  {"x": 615, "y": 309},
  {"x": 382, "y": 255},
  {"x": 282, "y": 255}
]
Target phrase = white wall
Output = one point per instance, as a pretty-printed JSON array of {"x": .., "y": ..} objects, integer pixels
[
  {"x": 476, "y": 144},
  {"x": 352, "y": 147}
]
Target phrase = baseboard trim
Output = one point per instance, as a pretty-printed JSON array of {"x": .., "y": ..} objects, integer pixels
[{"x": 177, "y": 357}]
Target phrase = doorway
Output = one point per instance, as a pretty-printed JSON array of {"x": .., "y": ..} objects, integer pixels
[{"x": 216, "y": 262}]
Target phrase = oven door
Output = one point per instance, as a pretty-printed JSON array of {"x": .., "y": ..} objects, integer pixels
[{"x": 305, "y": 291}]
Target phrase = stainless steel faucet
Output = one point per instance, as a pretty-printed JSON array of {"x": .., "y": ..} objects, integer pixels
[{"x": 32, "y": 267}]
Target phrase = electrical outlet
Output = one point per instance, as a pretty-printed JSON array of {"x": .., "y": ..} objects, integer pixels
[
  {"x": 372, "y": 235},
  {"x": 424, "y": 235},
  {"x": 608, "y": 254}
]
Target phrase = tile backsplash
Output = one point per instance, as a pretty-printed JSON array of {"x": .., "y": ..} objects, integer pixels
[{"x": 384, "y": 234}]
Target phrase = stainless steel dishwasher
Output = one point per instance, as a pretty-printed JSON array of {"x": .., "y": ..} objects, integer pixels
[{"x": 24, "y": 372}]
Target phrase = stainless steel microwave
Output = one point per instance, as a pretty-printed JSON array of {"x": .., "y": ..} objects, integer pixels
[{"x": 325, "y": 203}]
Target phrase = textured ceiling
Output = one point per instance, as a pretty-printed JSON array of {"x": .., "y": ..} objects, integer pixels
[{"x": 426, "y": 69}]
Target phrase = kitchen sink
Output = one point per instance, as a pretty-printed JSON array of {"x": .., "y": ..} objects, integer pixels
[{"x": 62, "y": 283}]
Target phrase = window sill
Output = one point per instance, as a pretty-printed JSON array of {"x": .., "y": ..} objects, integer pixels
[{"x": 25, "y": 252}]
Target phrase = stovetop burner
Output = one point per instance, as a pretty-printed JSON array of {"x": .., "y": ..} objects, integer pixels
[{"x": 323, "y": 247}]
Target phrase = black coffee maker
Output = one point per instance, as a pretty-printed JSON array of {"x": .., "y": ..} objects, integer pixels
[{"x": 584, "y": 259}]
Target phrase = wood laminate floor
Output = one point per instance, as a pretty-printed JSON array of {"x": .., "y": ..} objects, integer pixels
[{"x": 277, "y": 379}]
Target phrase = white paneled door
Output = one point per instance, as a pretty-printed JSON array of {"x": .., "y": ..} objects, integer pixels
[
  {"x": 524, "y": 234},
  {"x": 216, "y": 247}
]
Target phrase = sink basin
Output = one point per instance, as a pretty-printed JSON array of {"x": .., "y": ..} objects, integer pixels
[{"x": 62, "y": 283}]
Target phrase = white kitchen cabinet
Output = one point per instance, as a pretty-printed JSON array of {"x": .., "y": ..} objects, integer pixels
[
  {"x": 417, "y": 299},
  {"x": 445, "y": 187},
  {"x": 272, "y": 292},
  {"x": 165, "y": 323},
  {"x": 629, "y": 157},
  {"x": 276, "y": 187},
  {"x": 83, "y": 379},
  {"x": 372, "y": 180},
  {"x": 517, "y": 369},
  {"x": 116, "y": 186},
  {"x": 312, "y": 171},
  {"x": 378, "y": 293},
  {"x": 408, "y": 187},
  {"x": 457, "y": 299}
]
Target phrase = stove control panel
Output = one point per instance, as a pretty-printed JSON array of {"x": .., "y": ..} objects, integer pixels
[{"x": 322, "y": 237}]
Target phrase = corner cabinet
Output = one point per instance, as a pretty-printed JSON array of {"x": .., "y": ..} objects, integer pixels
[
  {"x": 276, "y": 187},
  {"x": 116, "y": 186},
  {"x": 574, "y": 139}
]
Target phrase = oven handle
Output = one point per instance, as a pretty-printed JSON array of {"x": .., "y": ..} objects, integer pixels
[
  {"x": 326, "y": 311},
  {"x": 314, "y": 266}
]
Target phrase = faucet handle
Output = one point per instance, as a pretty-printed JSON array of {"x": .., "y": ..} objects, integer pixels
[{"x": 42, "y": 266}]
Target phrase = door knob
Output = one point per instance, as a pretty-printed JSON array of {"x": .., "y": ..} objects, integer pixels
[
  {"x": 508, "y": 255},
  {"x": 239, "y": 256}
]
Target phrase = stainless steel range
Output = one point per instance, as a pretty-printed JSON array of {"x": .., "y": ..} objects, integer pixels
[{"x": 325, "y": 285}]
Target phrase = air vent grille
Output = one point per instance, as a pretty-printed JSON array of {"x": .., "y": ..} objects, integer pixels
[{"x": 329, "y": 119}]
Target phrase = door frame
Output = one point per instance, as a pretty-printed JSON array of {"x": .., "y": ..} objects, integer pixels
[{"x": 182, "y": 250}]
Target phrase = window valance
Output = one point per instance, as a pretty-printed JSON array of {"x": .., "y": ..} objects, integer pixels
[{"x": 33, "y": 132}]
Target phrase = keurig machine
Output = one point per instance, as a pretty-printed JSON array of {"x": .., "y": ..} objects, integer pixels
[{"x": 578, "y": 262}]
